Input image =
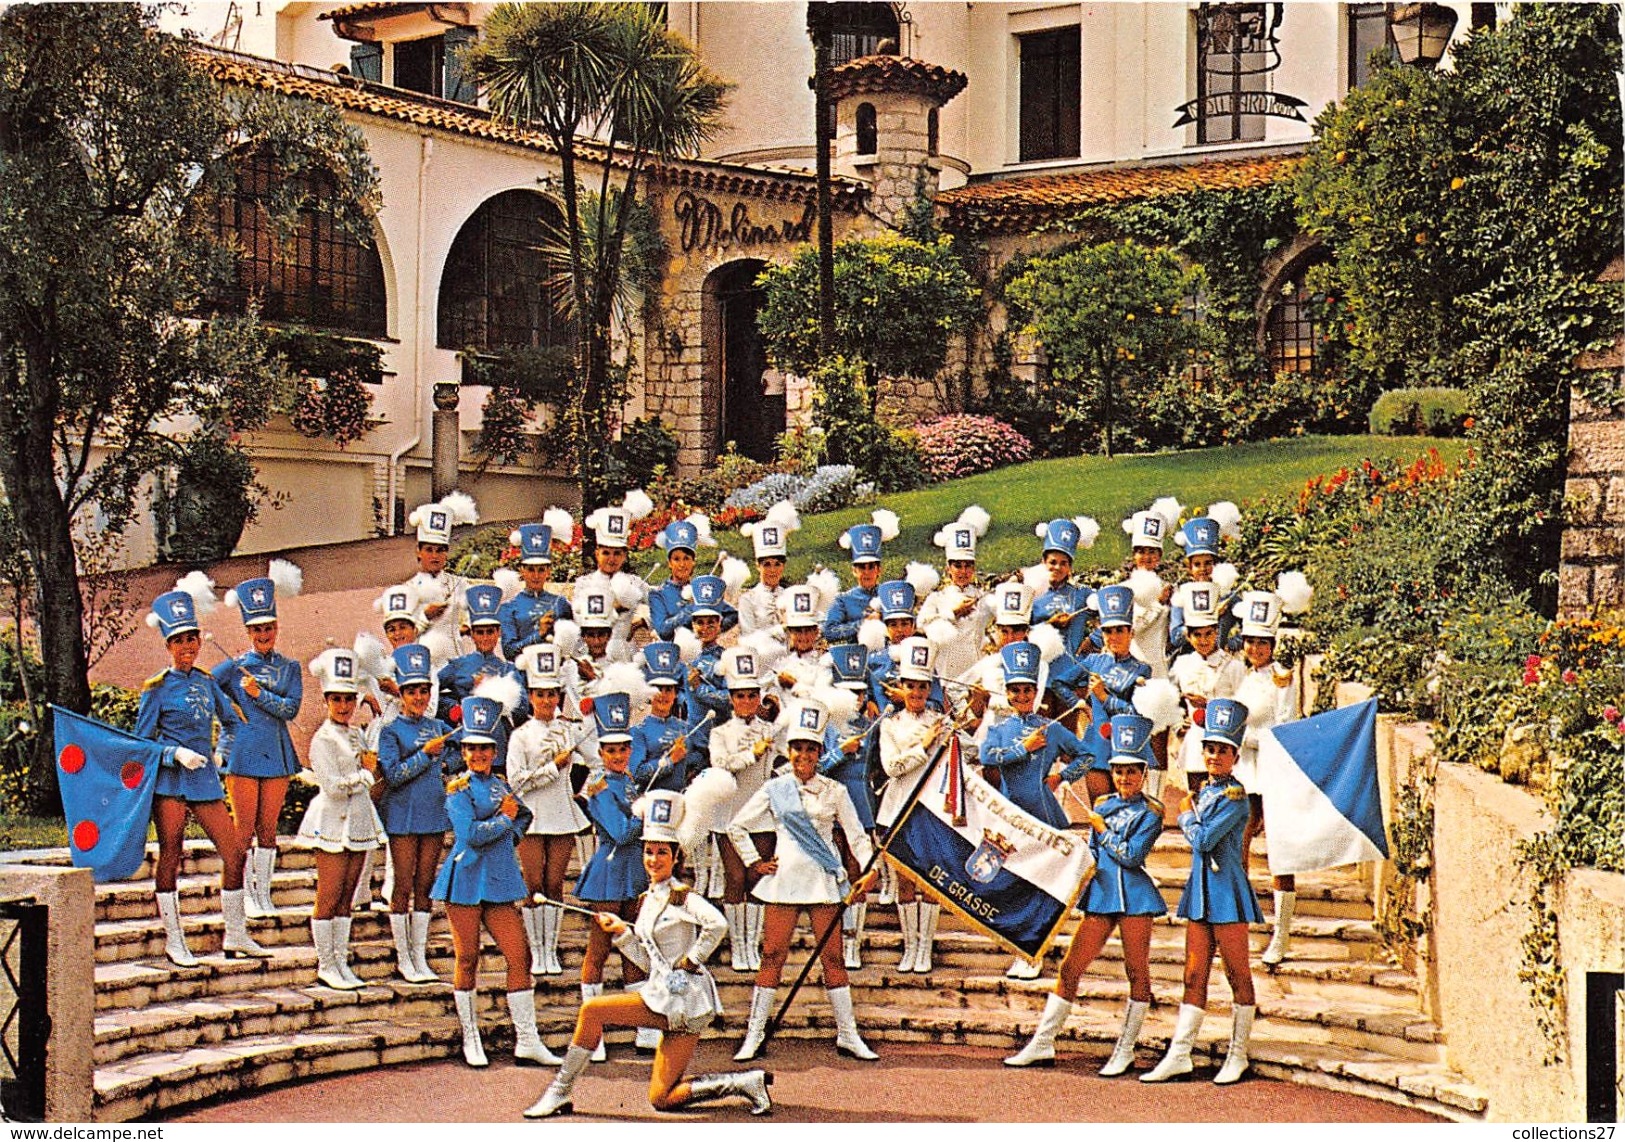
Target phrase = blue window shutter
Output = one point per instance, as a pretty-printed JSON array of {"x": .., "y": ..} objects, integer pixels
[
  {"x": 459, "y": 86},
  {"x": 367, "y": 62}
]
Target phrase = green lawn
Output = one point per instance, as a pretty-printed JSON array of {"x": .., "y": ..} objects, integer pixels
[{"x": 1109, "y": 490}]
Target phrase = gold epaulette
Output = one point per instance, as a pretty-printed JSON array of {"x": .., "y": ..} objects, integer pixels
[
  {"x": 1103, "y": 798},
  {"x": 1157, "y": 806},
  {"x": 458, "y": 784},
  {"x": 1236, "y": 793},
  {"x": 595, "y": 788},
  {"x": 679, "y": 894},
  {"x": 153, "y": 681}
]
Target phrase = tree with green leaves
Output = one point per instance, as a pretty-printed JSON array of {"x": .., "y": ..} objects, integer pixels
[
  {"x": 1109, "y": 317},
  {"x": 109, "y": 132},
  {"x": 610, "y": 81},
  {"x": 1469, "y": 213}
]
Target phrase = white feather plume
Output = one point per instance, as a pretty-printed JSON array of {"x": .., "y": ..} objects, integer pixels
[
  {"x": 1170, "y": 510},
  {"x": 734, "y": 572},
  {"x": 976, "y": 518},
  {"x": 1225, "y": 576},
  {"x": 509, "y": 581},
  {"x": 503, "y": 689},
  {"x": 372, "y": 656},
  {"x": 595, "y": 519},
  {"x": 201, "y": 588},
  {"x": 784, "y": 514},
  {"x": 638, "y": 504},
  {"x": 1228, "y": 516},
  {"x": 286, "y": 577},
  {"x": 626, "y": 678},
  {"x": 561, "y": 523},
  {"x": 711, "y": 789},
  {"x": 1088, "y": 530},
  {"x": 886, "y": 520},
  {"x": 872, "y": 634},
  {"x": 688, "y": 644},
  {"x": 1159, "y": 700},
  {"x": 627, "y": 589},
  {"x": 152, "y": 619},
  {"x": 769, "y": 650},
  {"x": 461, "y": 508},
  {"x": 1036, "y": 578},
  {"x": 1146, "y": 585},
  {"x": 1048, "y": 640},
  {"x": 419, "y": 515},
  {"x": 439, "y": 645},
  {"x": 941, "y": 633},
  {"x": 844, "y": 541},
  {"x": 923, "y": 577},
  {"x": 702, "y": 529},
  {"x": 1295, "y": 592},
  {"x": 841, "y": 703},
  {"x": 827, "y": 584},
  {"x": 567, "y": 637},
  {"x": 430, "y": 591}
]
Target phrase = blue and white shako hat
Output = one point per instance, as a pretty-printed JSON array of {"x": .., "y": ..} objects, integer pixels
[
  {"x": 1021, "y": 662},
  {"x": 678, "y": 535},
  {"x": 739, "y": 665},
  {"x": 173, "y": 613},
  {"x": 480, "y": 718},
  {"x": 256, "y": 599},
  {"x": 708, "y": 592},
  {"x": 1115, "y": 605},
  {"x": 593, "y": 607},
  {"x": 917, "y": 660},
  {"x": 798, "y": 606},
  {"x": 896, "y": 600},
  {"x": 662, "y": 811},
  {"x": 535, "y": 543},
  {"x": 413, "y": 664},
  {"x": 863, "y": 541},
  {"x": 337, "y": 671},
  {"x": 808, "y": 721},
  {"x": 434, "y": 524},
  {"x": 612, "y": 715},
  {"x": 1146, "y": 529},
  {"x": 1260, "y": 614},
  {"x": 849, "y": 665},
  {"x": 1225, "y": 720},
  {"x": 1012, "y": 605},
  {"x": 484, "y": 601},
  {"x": 539, "y": 663},
  {"x": 1059, "y": 535},
  {"x": 662, "y": 664},
  {"x": 1199, "y": 536},
  {"x": 1200, "y": 604},
  {"x": 1131, "y": 740}
]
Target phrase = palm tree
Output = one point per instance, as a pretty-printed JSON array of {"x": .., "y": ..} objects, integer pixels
[{"x": 610, "y": 80}]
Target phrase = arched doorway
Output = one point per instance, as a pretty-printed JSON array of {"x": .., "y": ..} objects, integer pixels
[{"x": 744, "y": 398}]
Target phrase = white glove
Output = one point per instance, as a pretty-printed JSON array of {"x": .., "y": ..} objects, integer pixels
[{"x": 190, "y": 758}]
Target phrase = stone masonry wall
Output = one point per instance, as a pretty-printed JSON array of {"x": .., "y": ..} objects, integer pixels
[{"x": 1594, "y": 541}]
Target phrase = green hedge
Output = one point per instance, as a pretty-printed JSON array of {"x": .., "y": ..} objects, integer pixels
[{"x": 1419, "y": 412}]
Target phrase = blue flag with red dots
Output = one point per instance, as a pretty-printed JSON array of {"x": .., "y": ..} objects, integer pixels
[{"x": 107, "y": 777}]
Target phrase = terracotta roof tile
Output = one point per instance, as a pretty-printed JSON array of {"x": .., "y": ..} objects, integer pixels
[
  {"x": 351, "y": 94},
  {"x": 1014, "y": 204},
  {"x": 883, "y": 74},
  {"x": 371, "y": 8}
]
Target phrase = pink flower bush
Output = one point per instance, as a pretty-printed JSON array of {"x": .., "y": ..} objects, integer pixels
[{"x": 962, "y": 445}]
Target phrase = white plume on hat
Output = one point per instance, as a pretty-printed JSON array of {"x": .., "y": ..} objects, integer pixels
[
  {"x": 688, "y": 644},
  {"x": 974, "y": 517},
  {"x": 627, "y": 589},
  {"x": 1170, "y": 510},
  {"x": 842, "y": 704},
  {"x": 941, "y": 632},
  {"x": 1228, "y": 516},
  {"x": 1146, "y": 585},
  {"x": 886, "y": 520},
  {"x": 712, "y": 788},
  {"x": 626, "y": 678},
  {"x": 509, "y": 581},
  {"x": 430, "y": 591},
  {"x": 595, "y": 519},
  {"x": 201, "y": 588},
  {"x": 784, "y": 514},
  {"x": 439, "y": 645},
  {"x": 461, "y": 508},
  {"x": 1088, "y": 530},
  {"x": 1158, "y": 699},
  {"x": 1225, "y": 576},
  {"x": 827, "y": 584},
  {"x": 768, "y": 649},
  {"x": 561, "y": 523},
  {"x": 372, "y": 656},
  {"x": 1048, "y": 640},
  {"x": 1295, "y": 592},
  {"x": 286, "y": 577},
  {"x": 734, "y": 573},
  {"x": 1036, "y": 578},
  {"x": 872, "y": 634},
  {"x": 638, "y": 504},
  {"x": 503, "y": 689},
  {"x": 923, "y": 577},
  {"x": 567, "y": 637},
  {"x": 702, "y": 529}
]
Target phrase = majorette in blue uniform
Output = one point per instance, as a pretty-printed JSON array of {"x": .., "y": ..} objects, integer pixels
[
  {"x": 847, "y": 612},
  {"x": 849, "y": 671},
  {"x": 1065, "y": 536},
  {"x": 653, "y": 737},
  {"x": 615, "y": 872},
  {"x": 457, "y": 677},
  {"x": 1121, "y": 886},
  {"x": 522, "y": 616},
  {"x": 1024, "y": 774},
  {"x": 1121, "y": 675},
  {"x": 708, "y": 693},
  {"x": 670, "y": 606}
]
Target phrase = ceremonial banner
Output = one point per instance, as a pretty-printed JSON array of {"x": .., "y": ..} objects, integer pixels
[
  {"x": 107, "y": 777},
  {"x": 1002, "y": 869},
  {"x": 1318, "y": 777}
]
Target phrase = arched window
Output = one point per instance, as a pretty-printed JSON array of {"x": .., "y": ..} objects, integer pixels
[
  {"x": 933, "y": 131},
  {"x": 322, "y": 274},
  {"x": 1290, "y": 332},
  {"x": 500, "y": 286},
  {"x": 866, "y": 128},
  {"x": 862, "y": 30}
]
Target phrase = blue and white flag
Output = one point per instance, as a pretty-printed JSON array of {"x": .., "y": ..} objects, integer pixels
[
  {"x": 1318, "y": 777},
  {"x": 1005, "y": 871},
  {"x": 107, "y": 778}
]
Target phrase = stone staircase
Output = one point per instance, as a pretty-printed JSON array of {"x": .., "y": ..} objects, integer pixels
[{"x": 1335, "y": 1015}]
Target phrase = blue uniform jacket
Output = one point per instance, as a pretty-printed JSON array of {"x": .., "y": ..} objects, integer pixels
[
  {"x": 519, "y": 615},
  {"x": 1065, "y": 599},
  {"x": 416, "y": 799},
  {"x": 1023, "y": 773},
  {"x": 1217, "y": 890},
  {"x": 261, "y": 747},
  {"x": 181, "y": 710},
  {"x": 711, "y": 695},
  {"x": 651, "y": 738},
  {"x": 457, "y": 682},
  {"x": 1069, "y": 675},
  {"x": 615, "y": 871},
  {"x": 668, "y": 611},
  {"x": 846, "y": 615},
  {"x": 851, "y": 769},
  {"x": 483, "y": 867},
  {"x": 1121, "y": 886}
]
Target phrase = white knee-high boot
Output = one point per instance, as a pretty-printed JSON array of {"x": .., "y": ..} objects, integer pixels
[
  {"x": 556, "y": 1098},
  {"x": 738, "y": 952},
  {"x": 908, "y": 919},
  {"x": 1241, "y": 1030},
  {"x": 528, "y": 1048},
  {"x": 420, "y": 947},
  {"x": 928, "y": 934},
  {"x": 341, "y": 950},
  {"x": 1123, "y": 1054},
  {"x": 400, "y": 929},
  {"x": 761, "y": 1010},
  {"x": 1286, "y": 903},
  {"x": 552, "y": 914},
  {"x": 847, "y": 1040},
  {"x": 473, "y": 1047},
  {"x": 169, "y": 911},
  {"x": 852, "y": 936},
  {"x": 593, "y": 991},
  {"x": 327, "y": 972},
  {"x": 532, "y": 917},
  {"x": 261, "y": 904},
  {"x": 1040, "y": 1049},
  {"x": 1178, "y": 1059},
  {"x": 237, "y": 941},
  {"x": 755, "y": 917}
]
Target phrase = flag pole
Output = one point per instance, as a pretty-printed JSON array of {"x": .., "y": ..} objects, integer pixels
[{"x": 835, "y": 921}]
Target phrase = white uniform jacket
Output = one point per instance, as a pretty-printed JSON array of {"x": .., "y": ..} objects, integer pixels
[
  {"x": 537, "y": 780},
  {"x": 1267, "y": 705},
  {"x": 1215, "y": 676},
  {"x": 902, "y": 755},
  {"x": 958, "y": 656},
  {"x": 677, "y": 922},
  {"x": 446, "y": 588},
  {"x": 1150, "y": 642},
  {"x": 733, "y": 748},
  {"x": 759, "y": 610},
  {"x": 800, "y": 880},
  {"x": 341, "y": 817}
]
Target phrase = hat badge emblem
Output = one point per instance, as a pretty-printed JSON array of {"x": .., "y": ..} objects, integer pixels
[
  {"x": 343, "y": 668},
  {"x": 397, "y": 602},
  {"x": 437, "y": 521},
  {"x": 920, "y": 656},
  {"x": 1260, "y": 612},
  {"x": 746, "y": 664},
  {"x": 1153, "y": 526},
  {"x": 663, "y": 658},
  {"x": 1220, "y": 718},
  {"x": 802, "y": 604},
  {"x": 660, "y": 812},
  {"x": 615, "y": 525},
  {"x": 1024, "y": 658},
  {"x": 177, "y": 609},
  {"x": 595, "y": 604},
  {"x": 809, "y": 719},
  {"x": 258, "y": 595},
  {"x": 770, "y": 536}
]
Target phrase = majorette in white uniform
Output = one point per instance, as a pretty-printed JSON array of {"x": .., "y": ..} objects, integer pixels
[
  {"x": 434, "y": 523},
  {"x": 769, "y": 537},
  {"x": 964, "y": 609}
]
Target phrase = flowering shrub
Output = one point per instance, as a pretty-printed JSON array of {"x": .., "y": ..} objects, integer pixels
[
  {"x": 335, "y": 407},
  {"x": 829, "y": 488},
  {"x": 962, "y": 445},
  {"x": 503, "y": 418}
]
